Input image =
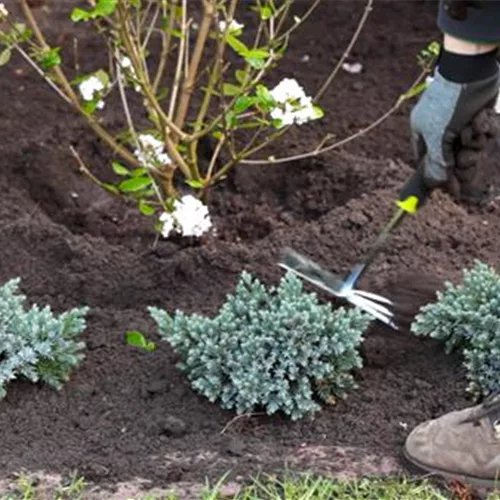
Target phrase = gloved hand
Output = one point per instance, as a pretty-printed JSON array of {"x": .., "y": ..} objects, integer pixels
[
  {"x": 477, "y": 160},
  {"x": 445, "y": 109}
]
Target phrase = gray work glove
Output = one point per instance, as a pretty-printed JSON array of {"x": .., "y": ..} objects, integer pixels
[
  {"x": 476, "y": 175},
  {"x": 442, "y": 113}
]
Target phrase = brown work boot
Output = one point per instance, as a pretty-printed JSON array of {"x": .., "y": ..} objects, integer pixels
[{"x": 462, "y": 445}]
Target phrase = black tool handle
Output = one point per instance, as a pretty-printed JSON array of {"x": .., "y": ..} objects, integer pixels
[{"x": 414, "y": 193}]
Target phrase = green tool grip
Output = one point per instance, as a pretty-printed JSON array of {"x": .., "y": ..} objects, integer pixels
[{"x": 414, "y": 193}]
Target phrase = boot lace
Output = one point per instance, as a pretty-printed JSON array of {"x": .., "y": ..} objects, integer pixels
[{"x": 490, "y": 409}]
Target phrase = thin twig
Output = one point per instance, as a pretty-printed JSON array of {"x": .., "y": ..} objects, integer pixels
[
  {"x": 178, "y": 69},
  {"x": 123, "y": 96},
  {"x": 274, "y": 161},
  {"x": 239, "y": 417},
  {"x": 39, "y": 70},
  {"x": 150, "y": 29},
  {"x": 84, "y": 169},
  {"x": 288, "y": 32},
  {"x": 333, "y": 74},
  {"x": 165, "y": 48},
  {"x": 215, "y": 155},
  {"x": 45, "y": 46}
]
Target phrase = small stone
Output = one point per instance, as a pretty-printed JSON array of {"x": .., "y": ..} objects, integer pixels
[
  {"x": 234, "y": 447},
  {"x": 157, "y": 387},
  {"x": 173, "y": 427},
  {"x": 305, "y": 58},
  {"x": 230, "y": 490},
  {"x": 358, "y": 86},
  {"x": 358, "y": 219}
]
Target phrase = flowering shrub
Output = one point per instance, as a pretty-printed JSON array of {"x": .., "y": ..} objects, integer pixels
[
  {"x": 205, "y": 53},
  {"x": 276, "y": 349},
  {"x": 33, "y": 343},
  {"x": 467, "y": 318}
]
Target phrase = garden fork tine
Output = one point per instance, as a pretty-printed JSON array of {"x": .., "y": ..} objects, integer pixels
[
  {"x": 373, "y": 304},
  {"x": 413, "y": 195}
]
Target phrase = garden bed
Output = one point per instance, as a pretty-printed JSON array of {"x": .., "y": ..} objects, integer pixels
[{"x": 127, "y": 414}]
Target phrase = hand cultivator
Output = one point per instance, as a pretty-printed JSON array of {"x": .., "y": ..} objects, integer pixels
[{"x": 413, "y": 196}]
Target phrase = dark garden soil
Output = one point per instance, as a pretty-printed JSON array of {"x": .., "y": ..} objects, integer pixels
[{"x": 127, "y": 414}]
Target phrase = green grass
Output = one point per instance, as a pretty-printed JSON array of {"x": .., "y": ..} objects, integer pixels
[
  {"x": 26, "y": 488},
  {"x": 303, "y": 488}
]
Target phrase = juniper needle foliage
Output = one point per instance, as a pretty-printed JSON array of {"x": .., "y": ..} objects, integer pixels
[
  {"x": 34, "y": 344},
  {"x": 467, "y": 318},
  {"x": 274, "y": 349}
]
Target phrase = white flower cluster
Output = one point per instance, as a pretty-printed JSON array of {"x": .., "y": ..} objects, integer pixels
[
  {"x": 294, "y": 106},
  {"x": 90, "y": 87},
  {"x": 151, "y": 151},
  {"x": 3, "y": 11},
  {"x": 189, "y": 218},
  {"x": 233, "y": 26},
  {"x": 127, "y": 66},
  {"x": 126, "y": 63}
]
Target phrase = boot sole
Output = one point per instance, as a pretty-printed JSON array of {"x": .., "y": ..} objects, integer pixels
[{"x": 478, "y": 482}]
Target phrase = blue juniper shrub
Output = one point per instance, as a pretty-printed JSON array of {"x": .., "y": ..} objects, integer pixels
[
  {"x": 34, "y": 344},
  {"x": 273, "y": 350}
]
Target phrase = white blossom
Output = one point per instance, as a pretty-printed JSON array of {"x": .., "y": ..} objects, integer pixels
[
  {"x": 497, "y": 105},
  {"x": 293, "y": 105},
  {"x": 151, "y": 151},
  {"x": 168, "y": 224},
  {"x": 233, "y": 26},
  {"x": 90, "y": 87},
  {"x": 126, "y": 63},
  {"x": 190, "y": 217},
  {"x": 354, "y": 68},
  {"x": 287, "y": 89},
  {"x": 127, "y": 66},
  {"x": 3, "y": 11}
]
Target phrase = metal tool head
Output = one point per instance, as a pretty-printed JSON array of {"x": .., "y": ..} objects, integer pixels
[{"x": 332, "y": 283}]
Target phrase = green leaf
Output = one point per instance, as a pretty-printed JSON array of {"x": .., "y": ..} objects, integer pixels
[
  {"x": 239, "y": 47},
  {"x": 138, "y": 172},
  {"x": 119, "y": 169},
  {"x": 79, "y": 15},
  {"x": 258, "y": 54},
  {"x": 110, "y": 187},
  {"x": 217, "y": 134},
  {"x": 230, "y": 119},
  {"x": 138, "y": 339},
  {"x": 134, "y": 184},
  {"x": 146, "y": 208},
  {"x": 90, "y": 106},
  {"x": 264, "y": 97},
  {"x": 176, "y": 33},
  {"x": 230, "y": 89},
  {"x": 51, "y": 58},
  {"x": 240, "y": 76},
  {"x": 103, "y": 77},
  {"x": 194, "y": 183},
  {"x": 255, "y": 63},
  {"x": 5, "y": 56},
  {"x": 242, "y": 104},
  {"x": 318, "y": 112},
  {"x": 103, "y": 8},
  {"x": 414, "y": 91},
  {"x": 266, "y": 13}
]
